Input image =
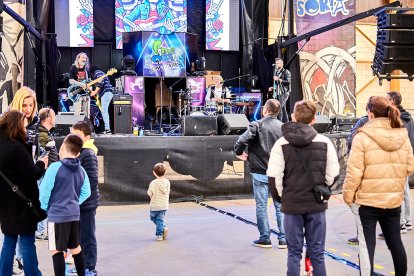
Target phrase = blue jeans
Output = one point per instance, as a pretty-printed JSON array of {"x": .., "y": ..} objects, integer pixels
[
  {"x": 311, "y": 226},
  {"x": 105, "y": 101},
  {"x": 157, "y": 217},
  {"x": 28, "y": 250},
  {"x": 261, "y": 196}
]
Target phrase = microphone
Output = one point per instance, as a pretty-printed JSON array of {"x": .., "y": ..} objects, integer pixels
[{"x": 274, "y": 64}]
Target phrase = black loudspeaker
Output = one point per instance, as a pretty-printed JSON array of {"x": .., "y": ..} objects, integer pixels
[
  {"x": 345, "y": 124},
  {"x": 198, "y": 125},
  {"x": 65, "y": 121},
  {"x": 395, "y": 44},
  {"x": 232, "y": 124},
  {"x": 122, "y": 114},
  {"x": 322, "y": 124}
]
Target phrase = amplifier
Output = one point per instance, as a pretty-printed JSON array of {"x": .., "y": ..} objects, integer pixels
[{"x": 122, "y": 114}]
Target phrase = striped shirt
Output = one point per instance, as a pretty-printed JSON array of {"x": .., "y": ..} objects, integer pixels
[{"x": 159, "y": 191}]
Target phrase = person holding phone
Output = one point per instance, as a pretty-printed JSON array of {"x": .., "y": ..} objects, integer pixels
[{"x": 17, "y": 220}]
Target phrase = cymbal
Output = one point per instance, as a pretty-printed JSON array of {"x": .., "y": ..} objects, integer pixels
[{"x": 179, "y": 91}]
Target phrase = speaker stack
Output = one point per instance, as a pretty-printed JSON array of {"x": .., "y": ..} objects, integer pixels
[
  {"x": 395, "y": 45},
  {"x": 232, "y": 124}
]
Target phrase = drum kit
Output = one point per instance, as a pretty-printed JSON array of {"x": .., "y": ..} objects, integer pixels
[{"x": 199, "y": 107}]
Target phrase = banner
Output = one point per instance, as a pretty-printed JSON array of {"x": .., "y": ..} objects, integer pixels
[
  {"x": 11, "y": 54},
  {"x": 328, "y": 60}
]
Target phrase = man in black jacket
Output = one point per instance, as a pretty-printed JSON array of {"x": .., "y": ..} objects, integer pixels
[
  {"x": 89, "y": 162},
  {"x": 299, "y": 161},
  {"x": 281, "y": 88},
  {"x": 260, "y": 138}
]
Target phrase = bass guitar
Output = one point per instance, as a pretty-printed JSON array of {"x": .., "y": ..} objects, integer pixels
[{"x": 75, "y": 91}]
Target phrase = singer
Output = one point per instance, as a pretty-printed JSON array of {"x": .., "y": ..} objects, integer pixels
[
  {"x": 79, "y": 75},
  {"x": 281, "y": 88}
]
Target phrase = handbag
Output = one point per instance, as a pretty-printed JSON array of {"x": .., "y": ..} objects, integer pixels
[
  {"x": 38, "y": 212},
  {"x": 322, "y": 191}
]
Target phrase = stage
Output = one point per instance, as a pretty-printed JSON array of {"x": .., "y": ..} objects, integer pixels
[{"x": 202, "y": 166}]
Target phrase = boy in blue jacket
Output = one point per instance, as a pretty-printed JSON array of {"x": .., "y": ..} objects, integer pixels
[
  {"x": 89, "y": 162},
  {"x": 64, "y": 187}
]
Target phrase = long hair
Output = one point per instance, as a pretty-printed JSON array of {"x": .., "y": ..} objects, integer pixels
[
  {"x": 77, "y": 59},
  {"x": 12, "y": 125},
  {"x": 381, "y": 107},
  {"x": 22, "y": 94}
]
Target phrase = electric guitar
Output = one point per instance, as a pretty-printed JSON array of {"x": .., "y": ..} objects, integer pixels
[{"x": 75, "y": 91}]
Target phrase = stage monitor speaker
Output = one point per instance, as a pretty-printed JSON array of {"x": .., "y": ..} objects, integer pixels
[
  {"x": 322, "y": 124},
  {"x": 122, "y": 114},
  {"x": 232, "y": 124},
  {"x": 64, "y": 122},
  {"x": 198, "y": 125},
  {"x": 395, "y": 44}
]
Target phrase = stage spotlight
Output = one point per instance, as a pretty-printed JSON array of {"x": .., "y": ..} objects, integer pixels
[
  {"x": 128, "y": 63},
  {"x": 128, "y": 66},
  {"x": 200, "y": 64}
]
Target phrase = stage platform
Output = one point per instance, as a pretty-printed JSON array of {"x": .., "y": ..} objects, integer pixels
[
  {"x": 205, "y": 242},
  {"x": 197, "y": 166}
]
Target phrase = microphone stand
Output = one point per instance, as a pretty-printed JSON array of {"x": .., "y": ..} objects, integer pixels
[{"x": 161, "y": 104}]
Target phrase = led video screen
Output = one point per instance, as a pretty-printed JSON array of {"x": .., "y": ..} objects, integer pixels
[
  {"x": 222, "y": 25},
  {"x": 162, "y": 16},
  {"x": 74, "y": 23}
]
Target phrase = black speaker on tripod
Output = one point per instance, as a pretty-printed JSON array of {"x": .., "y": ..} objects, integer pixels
[{"x": 395, "y": 44}]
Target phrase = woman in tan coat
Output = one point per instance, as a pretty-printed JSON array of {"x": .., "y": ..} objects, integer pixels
[{"x": 381, "y": 158}]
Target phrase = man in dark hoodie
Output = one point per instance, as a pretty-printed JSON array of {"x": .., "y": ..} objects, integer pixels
[
  {"x": 89, "y": 162},
  {"x": 64, "y": 187},
  {"x": 396, "y": 99},
  {"x": 299, "y": 155},
  {"x": 259, "y": 139}
]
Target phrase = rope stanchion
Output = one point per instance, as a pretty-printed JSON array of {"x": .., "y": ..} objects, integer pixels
[{"x": 198, "y": 200}]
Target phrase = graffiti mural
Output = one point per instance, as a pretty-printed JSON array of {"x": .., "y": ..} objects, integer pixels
[
  {"x": 328, "y": 61},
  {"x": 11, "y": 55}
]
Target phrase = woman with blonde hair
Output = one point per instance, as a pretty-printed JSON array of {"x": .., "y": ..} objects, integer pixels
[
  {"x": 380, "y": 160},
  {"x": 25, "y": 101}
]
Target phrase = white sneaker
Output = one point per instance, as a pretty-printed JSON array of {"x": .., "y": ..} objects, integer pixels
[
  {"x": 409, "y": 226},
  {"x": 403, "y": 229},
  {"x": 159, "y": 238}
]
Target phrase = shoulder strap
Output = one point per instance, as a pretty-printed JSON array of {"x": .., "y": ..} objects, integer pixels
[
  {"x": 15, "y": 189},
  {"x": 305, "y": 165}
]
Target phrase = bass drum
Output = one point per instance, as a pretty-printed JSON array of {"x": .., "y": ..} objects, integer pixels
[{"x": 198, "y": 113}]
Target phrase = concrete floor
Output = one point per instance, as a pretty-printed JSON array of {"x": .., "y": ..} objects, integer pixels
[{"x": 204, "y": 242}]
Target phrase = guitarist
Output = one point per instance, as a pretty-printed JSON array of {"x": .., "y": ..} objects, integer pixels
[
  {"x": 281, "y": 88},
  {"x": 103, "y": 91},
  {"x": 79, "y": 74}
]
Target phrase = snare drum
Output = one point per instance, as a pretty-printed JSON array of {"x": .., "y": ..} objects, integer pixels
[{"x": 211, "y": 108}]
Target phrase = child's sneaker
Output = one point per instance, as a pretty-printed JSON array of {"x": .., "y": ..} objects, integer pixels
[
  {"x": 409, "y": 226},
  {"x": 403, "y": 229},
  {"x": 159, "y": 238},
  {"x": 165, "y": 233}
]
